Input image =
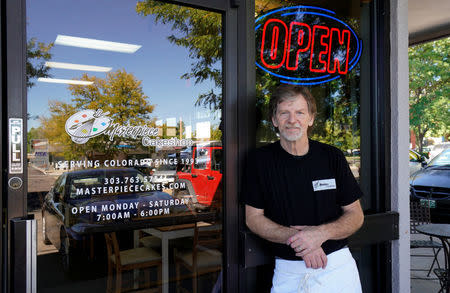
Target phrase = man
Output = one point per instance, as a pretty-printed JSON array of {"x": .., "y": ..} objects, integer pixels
[{"x": 301, "y": 195}]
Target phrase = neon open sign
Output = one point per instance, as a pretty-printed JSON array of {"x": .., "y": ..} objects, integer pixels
[{"x": 305, "y": 45}]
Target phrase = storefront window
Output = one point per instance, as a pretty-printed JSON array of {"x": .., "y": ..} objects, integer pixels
[
  {"x": 124, "y": 144},
  {"x": 317, "y": 44},
  {"x": 325, "y": 46}
]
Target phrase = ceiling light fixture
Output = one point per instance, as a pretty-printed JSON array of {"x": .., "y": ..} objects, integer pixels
[
  {"x": 96, "y": 44},
  {"x": 66, "y": 81},
  {"x": 62, "y": 65}
]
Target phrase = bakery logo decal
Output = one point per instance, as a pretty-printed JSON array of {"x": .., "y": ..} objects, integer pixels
[
  {"x": 86, "y": 124},
  {"x": 305, "y": 45}
]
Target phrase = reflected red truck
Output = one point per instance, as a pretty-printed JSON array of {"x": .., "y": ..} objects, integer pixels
[{"x": 203, "y": 176}]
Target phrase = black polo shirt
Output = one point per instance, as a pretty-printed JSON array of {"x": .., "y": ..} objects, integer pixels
[{"x": 300, "y": 190}]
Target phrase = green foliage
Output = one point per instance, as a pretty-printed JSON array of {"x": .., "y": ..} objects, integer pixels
[
  {"x": 37, "y": 54},
  {"x": 120, "y": 93},
  {"x": 429, "y": 89},
  {"x": 200, "y": 32},
  {"x": 337, "y": 121},
  {"x": 53, "y": 128},
  {"x": 216, "y": 133},
  {"x": 33, "y": 133}
]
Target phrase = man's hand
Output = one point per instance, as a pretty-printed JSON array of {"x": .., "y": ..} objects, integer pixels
[
  {"x": 316, "y": 259},
  {"x": 306, "y": 240},
  {"x": 309, "y": 238}
]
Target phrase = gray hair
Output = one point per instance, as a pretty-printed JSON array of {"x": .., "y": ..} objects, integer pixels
[{"x": 286, "y": 92}]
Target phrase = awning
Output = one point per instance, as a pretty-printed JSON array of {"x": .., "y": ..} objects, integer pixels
[{"x": 428, "y": 20}]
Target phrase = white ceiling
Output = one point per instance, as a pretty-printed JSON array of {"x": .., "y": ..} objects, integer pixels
[{"x": 428, "y": 20}]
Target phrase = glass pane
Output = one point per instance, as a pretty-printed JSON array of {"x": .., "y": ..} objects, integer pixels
[
  {"x": 337, "y": 95},
  {"x": 124, "y": 145},
  {"x": 337, "y": 71}
]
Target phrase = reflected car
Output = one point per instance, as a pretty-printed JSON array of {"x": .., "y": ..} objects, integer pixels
[
  {"x": 438, "y": 148},
  {"x": 202, "y": 178},
  {"x": 416, "y": 162},
  {"x": 431, "y": 187},
  {"x": 82, "y": 201},
  {"x": 184, "y": 154},
  {"x": 426, "y": 152},
  {"x": 164, "y": 174},
  {"x": 356, "y": 152}
]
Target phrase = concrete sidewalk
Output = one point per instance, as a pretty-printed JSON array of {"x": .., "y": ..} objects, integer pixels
[{"x": 427, "y": 284}]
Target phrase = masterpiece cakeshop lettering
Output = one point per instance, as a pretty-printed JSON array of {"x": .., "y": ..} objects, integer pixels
[{"x": 86, "y": 124}]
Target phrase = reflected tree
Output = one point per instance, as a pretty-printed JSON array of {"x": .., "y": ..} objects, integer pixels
[
  {"x": 200, "y": 32},
  {"x": 120, "y": 94},
  {"x": 338, "y": 117},
  {"x": 37, "y": 54},
  {"x": 216, "y": 133},
  {"x": 53, "y": 128},
  {"x": 33, "y": 133},
  {"x": 337, "y": 122}
]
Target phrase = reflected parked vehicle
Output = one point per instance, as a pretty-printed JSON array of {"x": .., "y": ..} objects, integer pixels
[
  {"x": 416, "y": 162},
  {"x": 164, "y": 174},
  {"x": 202, "y": 178},
  {"x": 438, "y": 148},
  {"x": 431, "y": 187},
  {"x": 85, "y": 200}
]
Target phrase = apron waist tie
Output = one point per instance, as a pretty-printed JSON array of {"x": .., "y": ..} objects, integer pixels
[{"x": 303, "y": 284}]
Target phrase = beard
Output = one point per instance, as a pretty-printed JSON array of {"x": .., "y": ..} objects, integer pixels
[{"x": 292, "y": 136}]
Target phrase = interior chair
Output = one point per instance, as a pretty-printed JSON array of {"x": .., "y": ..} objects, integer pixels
[
  {"x": 205, "y": 257},
  {"x": 420, "y": 215},
  {"x": 120, "y": 261},
  {"x": 150, "y": 241}
]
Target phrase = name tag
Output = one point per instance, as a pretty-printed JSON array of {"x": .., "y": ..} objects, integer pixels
[{"x": 324, "y": 184}]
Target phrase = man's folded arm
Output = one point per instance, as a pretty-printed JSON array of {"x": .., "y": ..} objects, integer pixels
[
  {"x": 310, "y": 238},
  {"x": 259, "y": 224},
  {"x": 351, "y": 220}
]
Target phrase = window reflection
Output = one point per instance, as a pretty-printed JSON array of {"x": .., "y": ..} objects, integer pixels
[
  {"x": 124, "y": 123},
  {"x": 344, "y": 105},
  {"x": 338, "y": 101},
  {"x": 202, "y": 158}
]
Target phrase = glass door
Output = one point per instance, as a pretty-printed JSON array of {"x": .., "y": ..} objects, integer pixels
[
  {"x": 125, "y": 145},
  {"x": 333, "y": 49}
]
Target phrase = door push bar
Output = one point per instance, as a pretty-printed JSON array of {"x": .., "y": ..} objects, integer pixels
[{"x": 23, "y": 255}]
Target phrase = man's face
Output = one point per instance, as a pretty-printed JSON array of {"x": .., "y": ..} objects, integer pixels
[{"x": 293, "y": 118}]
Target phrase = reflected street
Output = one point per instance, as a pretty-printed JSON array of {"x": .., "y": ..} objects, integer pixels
[{"x": 38, "y": 181}]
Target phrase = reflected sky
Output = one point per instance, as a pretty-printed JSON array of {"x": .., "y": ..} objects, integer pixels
[{"x": 158, "y": 63}]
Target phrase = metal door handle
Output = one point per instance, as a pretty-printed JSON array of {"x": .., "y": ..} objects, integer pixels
[{"x": 23, "y": 254}]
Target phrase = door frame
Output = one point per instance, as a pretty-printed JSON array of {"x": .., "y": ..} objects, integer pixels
[
  {"x": 13, "y": 39},
  {"x": 373, "y": 235},
  {"x": 238, "y": 119},
  {"x": 14, "y": 104}
]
